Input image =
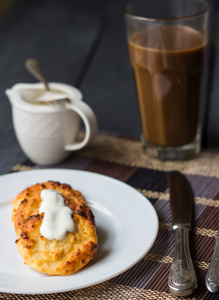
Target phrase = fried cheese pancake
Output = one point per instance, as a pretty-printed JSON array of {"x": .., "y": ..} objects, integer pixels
[
  {"x": 54, "y": 257},
  {"x": 27, "y": 203}
]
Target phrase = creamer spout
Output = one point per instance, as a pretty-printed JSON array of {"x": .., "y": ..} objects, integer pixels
[{"x": 11, "y": 95}]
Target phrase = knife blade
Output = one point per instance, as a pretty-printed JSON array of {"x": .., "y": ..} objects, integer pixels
[
  {"x": 182, "y": 279},
  {"x": 212, "y": 276}
]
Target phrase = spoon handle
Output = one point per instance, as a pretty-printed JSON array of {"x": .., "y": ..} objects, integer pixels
[
  {"x": 212, "y": 277},
  {"x": 32, "y": 66}
]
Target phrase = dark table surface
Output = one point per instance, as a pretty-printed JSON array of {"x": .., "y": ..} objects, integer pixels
[{"x": 82, "y": 43}]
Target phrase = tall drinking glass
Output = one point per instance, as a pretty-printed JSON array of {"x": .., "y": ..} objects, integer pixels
[{"x": 167, "y": 43}]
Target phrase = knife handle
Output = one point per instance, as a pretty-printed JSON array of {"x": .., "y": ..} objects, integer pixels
[
  {"x": 182, "y": 279},
  {"x": 212, "y": 277}
]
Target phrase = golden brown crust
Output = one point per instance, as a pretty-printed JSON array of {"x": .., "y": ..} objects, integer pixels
[
  {"x": 28, "y": 202},
  {"x": 55, "y": 257},
  {"x": 52, "y": 256}
]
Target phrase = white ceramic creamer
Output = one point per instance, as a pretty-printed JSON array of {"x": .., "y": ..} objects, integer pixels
[{"x": 47, "y": 133}]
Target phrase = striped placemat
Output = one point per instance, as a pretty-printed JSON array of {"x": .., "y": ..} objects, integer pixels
[{"x": 123, "y": 159}]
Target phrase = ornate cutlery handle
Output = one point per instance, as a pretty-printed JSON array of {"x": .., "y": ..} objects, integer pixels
[
  {"x": 182, "y": 279},
  {"x": 212, "y": 277}
]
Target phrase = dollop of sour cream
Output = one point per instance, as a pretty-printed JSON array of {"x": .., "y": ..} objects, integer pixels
[{"x": 57, "y": 219}]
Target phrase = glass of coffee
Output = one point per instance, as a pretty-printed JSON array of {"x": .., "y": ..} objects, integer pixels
[{"x": 167, "y": 43}]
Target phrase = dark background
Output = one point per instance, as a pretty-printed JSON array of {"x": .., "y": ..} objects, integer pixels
[{"x": 83, "y": 43}]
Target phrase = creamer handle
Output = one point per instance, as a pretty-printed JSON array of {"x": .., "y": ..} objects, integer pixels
[{"x": 90, "y": 122}]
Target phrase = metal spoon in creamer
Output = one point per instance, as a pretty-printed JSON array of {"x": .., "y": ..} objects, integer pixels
[{"x": 49, "y": 96}]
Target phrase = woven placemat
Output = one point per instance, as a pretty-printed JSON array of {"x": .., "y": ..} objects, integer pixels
[{"x": 123, "y": 159}]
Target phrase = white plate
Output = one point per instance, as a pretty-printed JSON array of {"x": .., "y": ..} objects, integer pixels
[{"x": 127, "y": 226}]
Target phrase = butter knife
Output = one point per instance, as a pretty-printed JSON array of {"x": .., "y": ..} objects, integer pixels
[
  {"x": 182, "y": 279},
  {"x": 212, "y": 276}
]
